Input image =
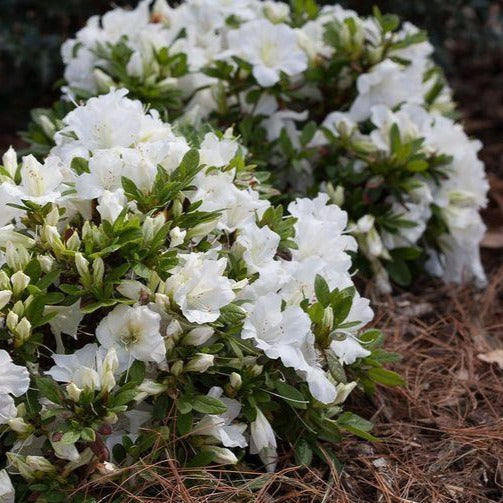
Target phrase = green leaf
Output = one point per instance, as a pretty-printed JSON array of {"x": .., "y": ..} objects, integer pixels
[
  {"x": 208, "y": 405},
  {"x": 356, "y": 425},
  {"x": 49, "y": 389},
  {"x": 303, "y": 452},
  {"x": 184, "y": 424},
  {"x": 136, "y": 373},
  {"x": 88, "y": 435},
  {"x": 202, "y": 458},
  {"x": 322, "y": 290},
  {"x": 123, "y": 397},
  {"x": 70, "y": 437},
  {"x": 291, "y": 395},
  {"x": 399, "y": 272},
  {"x": 386, "y": 377},
  {"x": 80, "y": 165}
]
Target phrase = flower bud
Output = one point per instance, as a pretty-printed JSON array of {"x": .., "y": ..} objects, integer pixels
[
  {"x": 221, "y": 455},
  {"x": 200, "y": 363},
  {"x": 103, "y": 81},
  {"x": 177, "y": 368},
  {"x": 52, "y": 218},
  {"x": 20, "y": 426},
  {"x": 276, "y": 12},
  {"x": 51, "y": 236},
  {"x": 177, "y": 236},
  {"x": 19, "y": 282},
  {"x": 235, "y": 380},
  {"x": 73, "y": 242},
  {"x": 5, "y": 296},
  {"x": 167, "y": 84},
  {"x": 12, "y": 320},
  {"x": 46, "y": 263},
  {"x": 365, "y": 223},
  {"x": 19, "y": 306},
  {"x": 108, "y": 381},
  {"x": 151, "y": 226},
  {"x": 73, "y": 392},
  {"x": 98, "y": 271},
  {"x": 152, "y": 387},
  {"x": 4, "y": 281},
  {"x": 23, "y": 330},
  {"x": 174, "y": 330},
  {"x": 83, "y": 269},
  {"x": 47, "y": 126},
  {"x": 328, "y": 319},
  {"x": 198, "y": 336},
  {"x": 256, "y": 370},
  {"x": 9, "y": 161},
  {"x": 16, "y": 256}
]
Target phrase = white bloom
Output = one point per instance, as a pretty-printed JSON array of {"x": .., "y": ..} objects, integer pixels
[
  {"x": 134, "y": 332},
  {"x": 263, "y": 441},
  {"x": 348, "y": 350},
  {"x": 200, "y": 363},
  {"x": 86, "y": 368},
  {"x": 258, "y": 245},
  {"x": 274, "y": 51},
  {"x": 200, "y": 288},
  {"x": 222, "y": 427},
  {"x": 7, "y": 492},
  {"x": 14, "y": 379},
  {"x": 389, "y": 84},
  {"x": 287, "y": 335}
]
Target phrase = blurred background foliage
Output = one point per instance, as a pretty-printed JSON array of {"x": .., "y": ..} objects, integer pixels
[{"x": 466, "y": 33}]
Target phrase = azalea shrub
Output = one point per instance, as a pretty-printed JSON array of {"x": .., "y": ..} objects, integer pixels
[
  {"x": 157, "y": 306},
  {"x": 323, "y": 99}
]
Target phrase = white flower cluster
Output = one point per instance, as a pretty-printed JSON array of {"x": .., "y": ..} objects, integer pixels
[
  {"x": 316, "y": 93},
  {"x": 146, "y": 288}
]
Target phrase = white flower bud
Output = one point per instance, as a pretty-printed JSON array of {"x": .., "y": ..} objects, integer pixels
[
  {"x": 5, "y": 296},
  {"x": 46, "y": 263},
  {"x": 103, "y": 81},
  {"x": 9, "y": 161},
  {"x": 167, "y": 84},
  {"x": 177, "y": 368},
  {"x": 374, "y": 243},
  {"x": 200, "y": 363},
  {"x": 51, "y": 236},
  {"x": 152, "y": 387},
  {"x": 4, "y": 281},
  {"x": 23, "y": 330},
  {"x": 177, "y": 236},
  {"x": 12, "y": 321},
  {"x": 83, "y": 269},
  {"x": 343, "y": 391},
  {"x": 198, "y": 336},
  {"x": 73, "y": 392},
  {"x": 40, "y": 464},
  {"x": 19, "y": 281},
  {"x": 73, "y": 242},
  {"x": 20, "y": 426},
  {"x": 174, "y": 330},
  {"x": 235, "y": 380},
  {"x": 16, "y": 256},
  {"x": 276, "y": 12},
  {"x": 98, "y": 271},
  {"x": 19, "y": 306},
  {"x": 108, "y": 381},
  {"x": 47, "y": 126},
  {"x": 52, "y": 218},
  {"x": 365, "y": 223},
  {"x": 221, "y": 455}
]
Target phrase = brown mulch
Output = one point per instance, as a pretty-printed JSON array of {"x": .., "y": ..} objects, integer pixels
[{"x": 441, "y": 436}]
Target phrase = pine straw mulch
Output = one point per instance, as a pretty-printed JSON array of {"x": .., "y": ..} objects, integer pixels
[{"x": 441, "y": 435}]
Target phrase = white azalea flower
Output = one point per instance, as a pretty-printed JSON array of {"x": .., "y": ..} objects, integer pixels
[
  {"x": 200, "y": 288},
  {"x": 7, "y": 492},
  {"x": 91, "y": 367},
  {"x": 348, "y": 350},
  {"x": 263, "y": 441},
  {"x": 275, "y": 51},
  {"x": 287, "y": 335},
  {"x": 134, "y": 332},
  {"x": 222, "y": 427}
]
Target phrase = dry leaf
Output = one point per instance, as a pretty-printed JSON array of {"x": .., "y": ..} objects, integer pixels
[{"x": 495, "y": 356}]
